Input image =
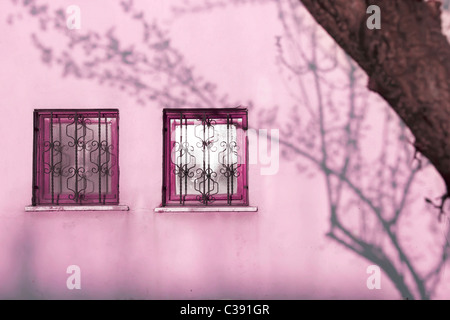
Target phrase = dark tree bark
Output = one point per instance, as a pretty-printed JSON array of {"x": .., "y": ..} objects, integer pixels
[{"x": 407, "y": 61}]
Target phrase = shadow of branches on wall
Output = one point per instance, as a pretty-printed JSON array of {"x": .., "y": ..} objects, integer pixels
[{"x": 326, "y": 131}]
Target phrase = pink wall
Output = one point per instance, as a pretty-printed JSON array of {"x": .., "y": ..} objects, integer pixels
[{"x": 279, "y": 252}]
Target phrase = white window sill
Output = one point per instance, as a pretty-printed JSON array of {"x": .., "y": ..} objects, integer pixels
[
  {"x": 77, "y": 208},
  {"x": 207, "y": 209}
]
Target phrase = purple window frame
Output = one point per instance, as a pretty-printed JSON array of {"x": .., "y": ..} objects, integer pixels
[
  {"x": 75, "y": 157},
  {"x": 178, "y": 157}
]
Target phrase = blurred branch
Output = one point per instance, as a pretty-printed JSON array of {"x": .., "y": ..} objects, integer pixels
[
  {"x": 385, "y": 197},
  {"x": 411, "y": 35}
]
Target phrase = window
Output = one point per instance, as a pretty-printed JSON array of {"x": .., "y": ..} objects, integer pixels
[
  {"x": 205, "y": 158},
  {"x": 75, "y": 157}
]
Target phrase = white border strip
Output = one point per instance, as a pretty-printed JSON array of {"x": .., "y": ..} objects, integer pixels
[
  {"x": 76, "y": 208},
  {"x": 206, "y": 209}
]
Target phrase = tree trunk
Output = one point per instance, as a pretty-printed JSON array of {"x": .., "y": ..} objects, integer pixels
[{"x": 407, "y": 61}]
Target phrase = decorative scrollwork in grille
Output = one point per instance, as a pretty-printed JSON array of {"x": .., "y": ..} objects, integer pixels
[
  {"x": 199, "y": 169},
  {"x": 78, "y": 159},
  {"x": 204, "y": 159}
]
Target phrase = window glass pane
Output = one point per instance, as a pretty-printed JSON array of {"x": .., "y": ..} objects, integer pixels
[
  {"x": 87, "y": 155},
  {"x": 214, "y": 155}
]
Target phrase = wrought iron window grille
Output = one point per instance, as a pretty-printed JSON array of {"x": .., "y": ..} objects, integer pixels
[
  {"x": 205, "y": 156},
  {"x": 75, "y": 157}
]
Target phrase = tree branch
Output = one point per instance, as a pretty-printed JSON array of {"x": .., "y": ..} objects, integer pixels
[{"x": 406, "y": 61}]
